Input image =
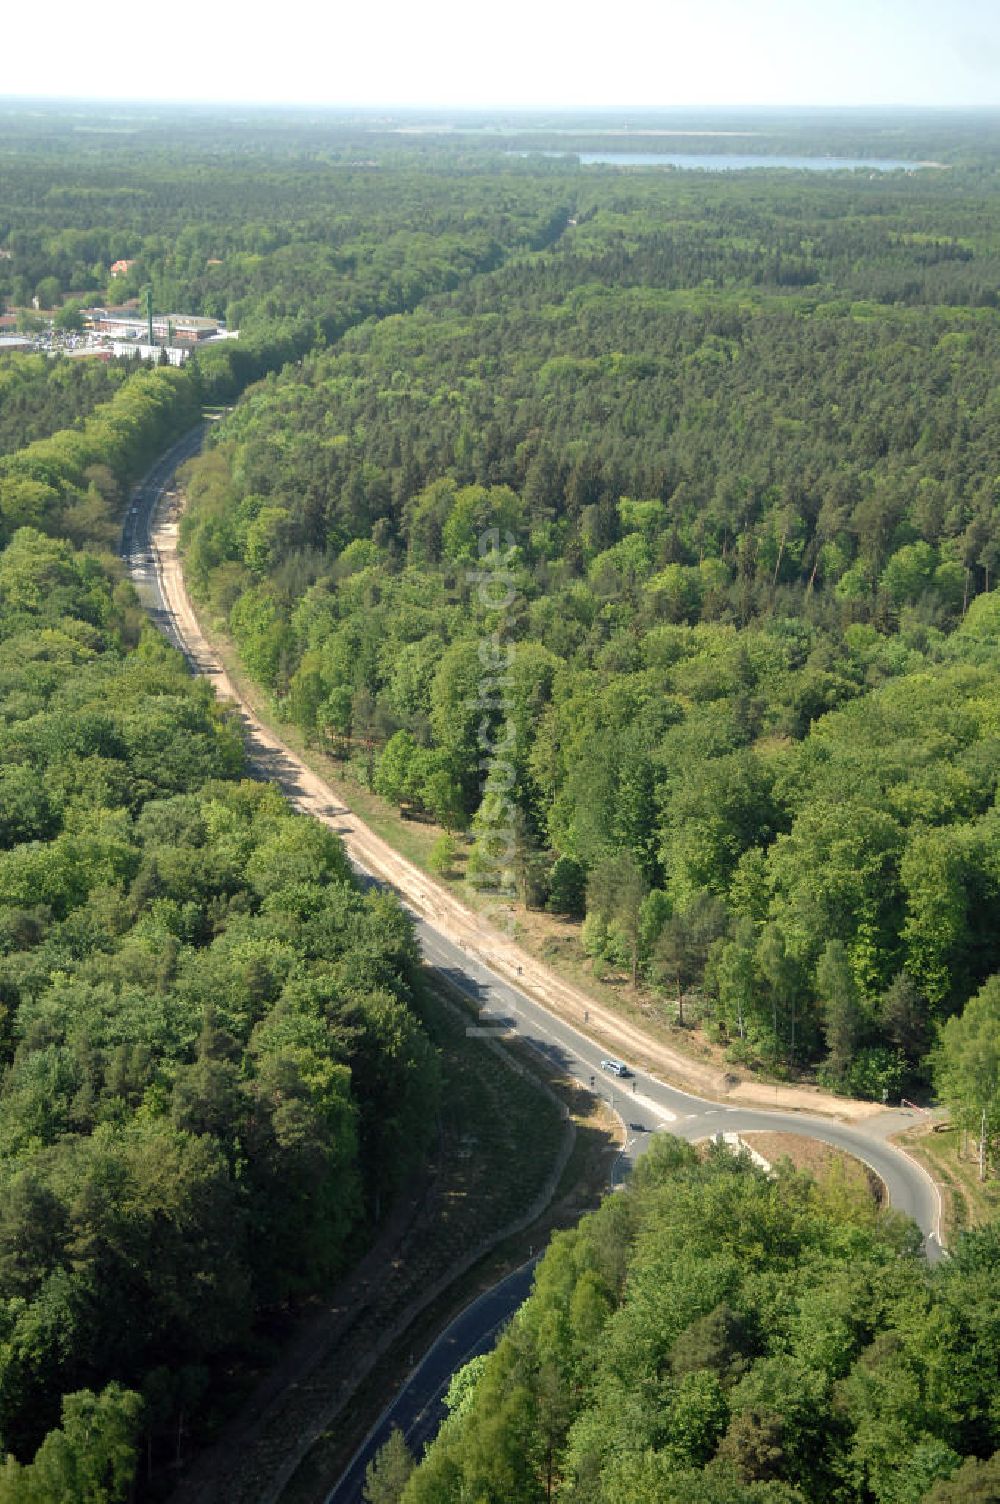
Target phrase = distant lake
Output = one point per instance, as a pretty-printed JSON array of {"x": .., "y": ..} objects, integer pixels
[{"x": 729, "y": 161}]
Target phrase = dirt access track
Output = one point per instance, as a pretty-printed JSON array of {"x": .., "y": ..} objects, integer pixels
[{"x": 312, "y": 795}]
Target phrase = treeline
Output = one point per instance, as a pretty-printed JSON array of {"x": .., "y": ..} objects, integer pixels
[
  {"x": 74, "y": 483},
  {"x": 289, "y": 236},
  {"x": 39, "y": 395},
  {"x": 954, "y": 137},
  {"x": 212, "y": 1070},
  {"x": 258, "y": 242},
  {"x": 711, "y": 1336},
  {"x": 749, "y": 526},
  {"x": 914, "y": 240},
  {"x": 752, "y": 544},
  {"x": 839, "y": 478}
]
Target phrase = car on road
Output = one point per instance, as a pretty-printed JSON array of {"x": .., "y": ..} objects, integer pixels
[{"x": 615, "y": 1068}]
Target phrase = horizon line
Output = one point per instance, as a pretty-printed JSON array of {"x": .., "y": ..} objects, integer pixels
[{"x": 446, "y": 109}]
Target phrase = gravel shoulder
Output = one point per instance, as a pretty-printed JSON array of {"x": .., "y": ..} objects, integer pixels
[{"x": 484, "y": 941}]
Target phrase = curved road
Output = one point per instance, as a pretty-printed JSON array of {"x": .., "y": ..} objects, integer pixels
[
  {"x": 418, "y": 1409},
  {"x": 645, "y": 1103}
]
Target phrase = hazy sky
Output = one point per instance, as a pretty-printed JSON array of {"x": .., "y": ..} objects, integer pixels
[{"x": 516, "y": 52}]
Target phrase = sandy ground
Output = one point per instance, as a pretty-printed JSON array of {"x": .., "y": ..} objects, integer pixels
[
  {"x": 474, "y": 934},
  {"x": 818, "y": 1158}
]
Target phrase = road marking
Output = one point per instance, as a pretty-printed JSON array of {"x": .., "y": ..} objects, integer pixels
[
  {"x": 652, "y": 1106},
  {"x": 149, "y": 495},
  {"x": 441, "y": 1338}
]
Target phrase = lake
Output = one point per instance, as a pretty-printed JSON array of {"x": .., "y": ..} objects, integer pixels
[{"x": 731, "y": 161}]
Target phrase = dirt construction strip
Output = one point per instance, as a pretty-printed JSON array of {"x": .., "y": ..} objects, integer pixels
[{"x": 476, "y": 936}]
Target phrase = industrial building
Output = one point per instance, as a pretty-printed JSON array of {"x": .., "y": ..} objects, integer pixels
[
  {"x": 139, "y": 350},
  {"x": 172, "y": 329}
]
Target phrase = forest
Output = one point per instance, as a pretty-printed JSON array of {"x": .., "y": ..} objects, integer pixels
[
  {"x": 74, "y": 483},
  {"x": 213, "y": 1075},
  {"x": 287, "y": 240},
  {"x": 39, "y": 395},
  {"x": 740, "y": 443},
  {"x": 734, "y": 441},
  {"x": 712, "y": 1336},
  {"x": 213, "y": 1064}
]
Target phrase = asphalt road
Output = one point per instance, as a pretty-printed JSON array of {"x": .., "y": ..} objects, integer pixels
[
  {"x": 136, "y": 546},
  {"x": 645, "y": 1104},
  {"x": 418, "y": 1409}
]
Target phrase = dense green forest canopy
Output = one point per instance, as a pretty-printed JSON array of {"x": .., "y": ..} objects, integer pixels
[
  {"x": 74, "y": 482},
  {"x": 213, "y": 1073},
  {"x": 714, "y": 1337},
  {"x": 39, "y": 395},
  {"x": 742, "y": 439},
  {"x": 291, "y": 236},
  {"x": 211, "y": 1063},
  {"x": 738, "y": 437}
]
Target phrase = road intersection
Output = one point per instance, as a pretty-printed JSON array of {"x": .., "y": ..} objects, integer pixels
[
  {"x": 511, "y": 990},
  {"x": 513, "y": 993}
]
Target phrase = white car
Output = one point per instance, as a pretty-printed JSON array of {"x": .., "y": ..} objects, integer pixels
[{"x": 615, "y": 1067}]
